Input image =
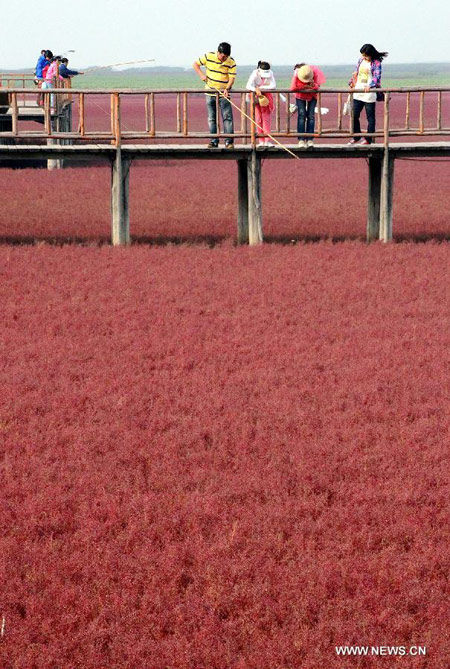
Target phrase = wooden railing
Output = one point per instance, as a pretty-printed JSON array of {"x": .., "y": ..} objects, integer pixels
[
  {"x": 16, "y": 80},
  {"x": 415, "y": 101},
  {"x": 22, "y": 81}
]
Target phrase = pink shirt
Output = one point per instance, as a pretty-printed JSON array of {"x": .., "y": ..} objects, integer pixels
[
  {"x": 51, "y": 72},
  {"x": 297, "y": 85}
]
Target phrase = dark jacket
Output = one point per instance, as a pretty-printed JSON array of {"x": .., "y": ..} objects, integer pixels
[{"x": 65, "y": 73}]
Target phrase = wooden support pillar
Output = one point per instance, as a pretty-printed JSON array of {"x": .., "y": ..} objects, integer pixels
[
  {"x": 373, "y": 202},
  {"x": 120, "y": 180},
  {"x": 54, "y": 163},
  {"x": 255, "y": 235},
  {"x": 242, "y": 227},
  {"x": 387, "y": 192}
]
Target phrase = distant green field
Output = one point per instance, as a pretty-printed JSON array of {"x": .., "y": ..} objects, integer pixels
[
  {"x": 394, "y": 75},
  {"x": 130, "y": 79}
]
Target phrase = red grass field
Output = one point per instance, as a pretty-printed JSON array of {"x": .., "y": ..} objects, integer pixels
[
  {"x": 223, "y": 457},
  {"x": 307, "y": 200}
]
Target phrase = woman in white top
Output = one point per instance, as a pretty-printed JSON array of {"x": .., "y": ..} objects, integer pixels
[
  {"x": 261, "y": 81},
  {"x": 366, "y": 79}
]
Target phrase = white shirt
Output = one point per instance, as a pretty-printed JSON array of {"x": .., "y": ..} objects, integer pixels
[
  {"x": 255, "y": 81},
  {"x": 364, "y": 79}
]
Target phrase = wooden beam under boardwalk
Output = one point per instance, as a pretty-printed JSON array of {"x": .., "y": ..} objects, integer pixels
[
  {"x": 120, "y": 188},
  {"x": 242, "y": 226},
  {"x": 387, "y": 196},
  {"x": 373, "y": 200},
  {"x": 255, "y": 234}
]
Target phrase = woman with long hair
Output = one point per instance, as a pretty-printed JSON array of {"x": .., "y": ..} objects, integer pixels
[{"x": 365, "y": 80}]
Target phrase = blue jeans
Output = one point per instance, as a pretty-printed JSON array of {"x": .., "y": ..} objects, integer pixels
[
  {"x": 226, "y": 112},
  {"x": 305, "y": 118},
  {"x": 358, "y": 106}
]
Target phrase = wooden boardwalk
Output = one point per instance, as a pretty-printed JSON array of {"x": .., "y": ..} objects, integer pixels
[{"x": 120, "y": 147}]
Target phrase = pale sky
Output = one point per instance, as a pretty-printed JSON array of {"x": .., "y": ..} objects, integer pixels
[{"x": 175, "y": 32}]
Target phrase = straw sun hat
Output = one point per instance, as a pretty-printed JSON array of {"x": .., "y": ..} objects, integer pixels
[{"x": 305, "y": 74}]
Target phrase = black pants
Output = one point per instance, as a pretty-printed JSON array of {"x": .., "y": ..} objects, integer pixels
[{"x": 370, "y": 113}]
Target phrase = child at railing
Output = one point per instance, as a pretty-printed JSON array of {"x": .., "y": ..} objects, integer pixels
[
  {"x": 50, "y": 77},
  {"x": 260, "y": 82},
  {"x": 366, "y": 78},
  {"x": 306, "y": 77}
]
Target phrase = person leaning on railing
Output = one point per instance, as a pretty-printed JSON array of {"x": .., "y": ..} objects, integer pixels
[
  {"x": 366, "y": 78},
  {"x": 219, "y": 75},
  {"x": 64, "y": 71},
  {"x": 261, "y": 81},
  {"x": 311, "y": 78},
  {"x": 51, "y": 75}
]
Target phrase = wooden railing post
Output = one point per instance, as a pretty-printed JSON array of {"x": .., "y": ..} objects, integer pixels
[
  {"x": 408, "y": 110},
  {"x": 288, "y": 113},
  {"x": 15, "y": 114},
  {"x": 185, "y": 115},
  {"x": 113, "y": 117},
  {"x": 243, "y": 116},
  {"x": 152, "y": 115},
  {"x": 178, "y": 113},
  {"x": 117, "y": 124},
  {"x": 319, "y": 115},
  {"x": 351, "y": 118},
  {"x": 47, "y": 114},
  {"x": 277, "y": 113},
  {"x": 386, "y": 120},
  {"x": 439, "y": 111},
  {"x": 421, "y": 112},
  {"x": 81, "y": 115},
  {"x": 146, "y": 112},
  {"x": 218, "y": 116},
  {"x": 252, "y": 124}
]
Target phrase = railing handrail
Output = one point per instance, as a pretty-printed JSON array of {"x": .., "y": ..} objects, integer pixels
[
  {"x": 17, "y": 75},
  {"x": 147, "y": 91}
]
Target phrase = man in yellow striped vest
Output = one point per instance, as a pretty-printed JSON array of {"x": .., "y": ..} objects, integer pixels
[{"x": 219, "y": 75}]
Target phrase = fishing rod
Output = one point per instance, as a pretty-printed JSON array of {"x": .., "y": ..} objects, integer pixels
[{"x": 216, "y": 90}]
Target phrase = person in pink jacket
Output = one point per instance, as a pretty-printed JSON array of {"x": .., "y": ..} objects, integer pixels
[
  {"x": 306, "y": 77},
  {"x": 51, "y": 75}
]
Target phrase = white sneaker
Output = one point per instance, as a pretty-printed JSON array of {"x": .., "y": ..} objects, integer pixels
[
  {"x": 269, "y": 144},
  {"x": 302, "y": 144},
  {"x": 309, "y": 143}
]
